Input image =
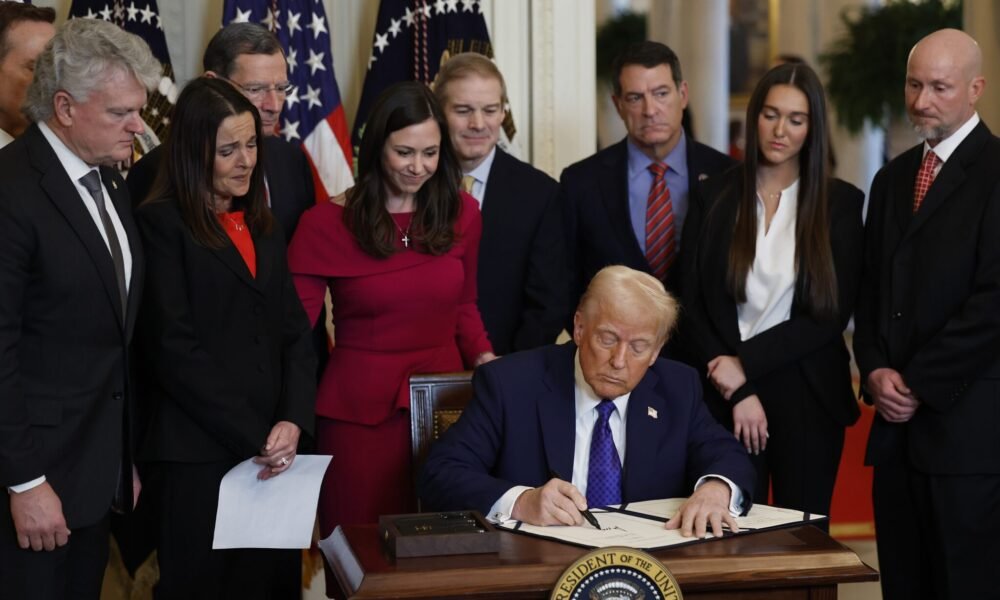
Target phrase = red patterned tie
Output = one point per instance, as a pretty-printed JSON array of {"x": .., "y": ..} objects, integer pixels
[
  {"x": 925, "y": 177},
  {"x": 661, "y": 240}
]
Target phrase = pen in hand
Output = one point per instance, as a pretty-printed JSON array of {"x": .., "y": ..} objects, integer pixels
[{"x": 589, "y": 516}]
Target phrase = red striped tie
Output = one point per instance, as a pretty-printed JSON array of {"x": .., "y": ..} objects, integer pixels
[
  {"x": 661, "y": 241},
  {"x": 925, "y": 177}
]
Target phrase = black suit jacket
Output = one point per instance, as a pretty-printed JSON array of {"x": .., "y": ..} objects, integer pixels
[
  {"x": 521, "y": 257},
  {"x": 802, "y": 347},
  {"x": 230, "y": 354},
  {"x": 64, "y": 384},
  {"x": 594, "y": 200},
  {"x": 930, "y": 307},
  {"x": 520, "y": 427},
  {"x": 289, "y": 180}
]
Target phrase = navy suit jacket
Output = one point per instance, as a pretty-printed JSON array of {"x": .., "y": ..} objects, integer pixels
[
  {"x": 521, "y": 426},
  {"x": 594, "y": 200},
  {"x": 522, "y": 297}
]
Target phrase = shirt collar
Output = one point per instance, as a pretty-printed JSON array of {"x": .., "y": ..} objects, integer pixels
[
  {"x": 482, "y": 171},
  {"x": 586, "y": 399},
  {"x": 676, "y": 159},
  {"x": 947, "y": 146},
  {"x": 5, "y": 138},
  {"x": 74, "y": 165}
]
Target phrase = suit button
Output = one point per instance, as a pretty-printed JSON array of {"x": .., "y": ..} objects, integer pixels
[
  {"x": 259, "y": 309},
  {"x": 117, "y": 396},
  {"x": 260, "y": 368},
  {"x": 897, "y": 316},
  {"x": 256, "y": 339}
]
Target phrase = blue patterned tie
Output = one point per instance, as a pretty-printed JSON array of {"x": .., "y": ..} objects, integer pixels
[{"x": 604, "y": 479}]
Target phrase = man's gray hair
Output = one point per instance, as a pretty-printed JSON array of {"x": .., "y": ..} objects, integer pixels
[{"x": 83, "y": 53}]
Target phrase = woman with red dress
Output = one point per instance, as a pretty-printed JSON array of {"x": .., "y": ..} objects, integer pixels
[{"x": 398, "y": 253}]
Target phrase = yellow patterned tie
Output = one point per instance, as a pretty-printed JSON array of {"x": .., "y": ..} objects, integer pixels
[{"x": 467, "y": 182}]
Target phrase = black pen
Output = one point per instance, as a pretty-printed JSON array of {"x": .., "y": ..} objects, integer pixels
[{"x": 589, "y": 516}]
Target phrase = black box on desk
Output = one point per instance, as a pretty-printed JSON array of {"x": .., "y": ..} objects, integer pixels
[{"x": 437, "y": 534}]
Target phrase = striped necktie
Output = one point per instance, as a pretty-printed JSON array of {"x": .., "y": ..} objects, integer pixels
[{"x": 661, "y": 239}]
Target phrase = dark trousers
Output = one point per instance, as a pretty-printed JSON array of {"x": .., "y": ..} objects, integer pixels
[
  {"x": 803, "y": 450},
  {"x": 938, "y": 535},
  {"x": 72, "y": 572},
  {"x": 189, "y": 568}
]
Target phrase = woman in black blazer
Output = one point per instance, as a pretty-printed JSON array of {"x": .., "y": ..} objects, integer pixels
[
  {"x": 772, "y": 254},
  {"x": 224, "y": 340}
]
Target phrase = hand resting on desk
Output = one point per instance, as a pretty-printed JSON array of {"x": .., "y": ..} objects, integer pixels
[{"x": 708, "y": 505}]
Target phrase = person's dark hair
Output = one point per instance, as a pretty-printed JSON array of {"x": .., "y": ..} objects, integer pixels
[
  {"x": 647, "y": 54},
  {"x": 816, "y": 278},
  {"x": 15, "y": 12},
  {"x": 235, "y": 39},
  {"x": 186, "y": 174},
  {"x": 437, "y": 201}
]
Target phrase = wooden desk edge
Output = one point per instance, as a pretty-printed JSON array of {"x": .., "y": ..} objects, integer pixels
[{"x": 811, "y": 568}]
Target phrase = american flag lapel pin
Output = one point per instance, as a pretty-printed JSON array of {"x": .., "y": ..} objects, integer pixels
[
  {"x": 652, "y": 412},
  {"x": 114, "y": 184}
]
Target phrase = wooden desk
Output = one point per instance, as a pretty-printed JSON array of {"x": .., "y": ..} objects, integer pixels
[{"x": 797, "y": 563}]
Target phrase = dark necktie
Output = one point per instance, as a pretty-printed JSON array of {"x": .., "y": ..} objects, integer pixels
[
  {"x": 660, "y": 231},
  {"x": 604, "y": 476},
  {"x": 92, "y": 182},
  {"x": 925, "y": 177}
]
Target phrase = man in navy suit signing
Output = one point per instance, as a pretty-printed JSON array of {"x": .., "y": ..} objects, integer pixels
[{"x": 623, "y": 424}]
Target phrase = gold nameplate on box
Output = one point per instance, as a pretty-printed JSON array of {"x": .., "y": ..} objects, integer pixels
[{"x": 437, "y": 533}]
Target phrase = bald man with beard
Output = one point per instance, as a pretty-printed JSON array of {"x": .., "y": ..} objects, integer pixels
[{"x": 927, "y": 336}]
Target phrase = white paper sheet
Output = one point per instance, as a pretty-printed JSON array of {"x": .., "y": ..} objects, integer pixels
[
  {"x": 277, "y": 513},
  {"x": 642, "y": 529}
]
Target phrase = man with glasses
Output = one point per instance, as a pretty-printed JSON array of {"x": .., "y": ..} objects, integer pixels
[{"x": 250, "y": 57}]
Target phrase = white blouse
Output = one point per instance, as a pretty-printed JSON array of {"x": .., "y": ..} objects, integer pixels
[{"x": 770, "y": 285}]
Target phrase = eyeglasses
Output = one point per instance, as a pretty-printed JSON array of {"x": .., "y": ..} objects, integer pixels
[{"x": 257, "y": 91}]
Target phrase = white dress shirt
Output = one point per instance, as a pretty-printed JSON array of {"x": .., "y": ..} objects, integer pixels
[
  {"x": 76, "y": 168},
  {"x": 5, "y": 138},
  {"x": 586, "y": 418},
  {"x": 770, "y": 285},
  {"x": 946, "y": 147}
]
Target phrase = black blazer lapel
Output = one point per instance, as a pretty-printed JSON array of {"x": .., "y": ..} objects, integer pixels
[
  {"x": 713, "y": 263},
  {"x": 120, "y": 199},
  {"x": 492, "y": 203},
  {"x": 557, "y": 411},
  {"x": 951, "y": 176},
  {"x": 641, "y": 434},
  {"x": 263, "y": 249},
  {"x": 613, "y": 181},
  {"x": 231, "y": 257},
  {"x": 64, "y": 195}
]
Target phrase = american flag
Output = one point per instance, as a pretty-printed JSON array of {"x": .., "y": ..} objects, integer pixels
[
  {"x": 413, "y": 38},
  {"x": 141, "y": 17},
  {"x": 314, "y": 114}
]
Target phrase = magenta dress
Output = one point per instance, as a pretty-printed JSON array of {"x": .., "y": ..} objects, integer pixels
[{"x": 408, "y": 313}]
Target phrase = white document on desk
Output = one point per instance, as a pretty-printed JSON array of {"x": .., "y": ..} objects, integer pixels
[
  {"x": 640, "y": 525},
  {"x": 277, "y": 513}
]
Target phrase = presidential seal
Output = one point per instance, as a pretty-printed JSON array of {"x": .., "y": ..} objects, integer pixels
[{"x": 616, "y": 573}]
